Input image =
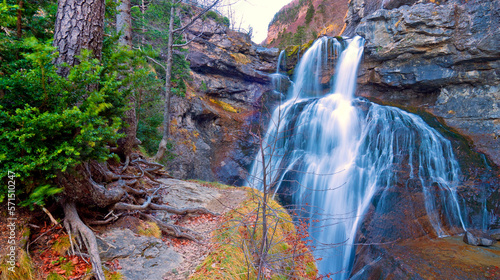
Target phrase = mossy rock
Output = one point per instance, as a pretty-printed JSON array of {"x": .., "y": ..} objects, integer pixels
[
  {"x": 240, "y": 58},
  {"x": 238, "y": 239}
]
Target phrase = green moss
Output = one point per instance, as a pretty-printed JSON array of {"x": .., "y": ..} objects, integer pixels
[
  {"x": 298, "y": 49},
  {"x": 292, "y": 50},
  {"x": 69, "y": 267},
  {"x": 24, "y": 269},
  {"x": 238, "y": 239},
  {"x": 216, "y": 185},
  {"x": 149, "y": 229},
  {"x": 55, "y": 276},
  {"x": 113, "y": 275},
  {"x": 61, "y": 245}
]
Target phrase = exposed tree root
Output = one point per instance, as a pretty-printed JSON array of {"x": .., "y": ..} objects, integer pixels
[
  {"x": 83, "y": 234},
  {"x": 121, "y": 190},
  {"x": 125, "y": 166},
  {"x": 182, "y": 211}
]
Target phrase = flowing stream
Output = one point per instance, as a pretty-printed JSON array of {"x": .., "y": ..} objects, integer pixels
[{"x": 333, "y": 153}]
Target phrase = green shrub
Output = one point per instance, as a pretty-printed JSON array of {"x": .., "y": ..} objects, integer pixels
[{"x": 49, "y": 124}]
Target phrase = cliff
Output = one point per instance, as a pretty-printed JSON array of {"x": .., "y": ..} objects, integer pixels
[
  {"x": 303, "y": 20},
  {"x": 442, "y": 57},
  {"x": 210, "y": 126}
]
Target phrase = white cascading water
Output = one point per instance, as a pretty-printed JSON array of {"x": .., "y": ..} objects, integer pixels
[{"x": 335, "y": 152}]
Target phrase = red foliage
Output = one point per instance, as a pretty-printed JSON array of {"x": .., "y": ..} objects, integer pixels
[{"x": 49, "y": 261}]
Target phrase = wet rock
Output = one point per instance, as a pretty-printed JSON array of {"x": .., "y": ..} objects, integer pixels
[
  {"x": 138, "y": 255},
  {"x": 392, "y": 4},
  {"x": 268, "y": 54},
  {"x": 424, "y": 258},
  {"x": 495, "y": 233},
  {"x": 470, "y": 239},
  {"x": 437, "y": 58},
  {"x": 477, "y": 238}
]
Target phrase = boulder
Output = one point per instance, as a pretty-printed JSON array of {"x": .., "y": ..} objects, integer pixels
[
  {"x": 477, "y": 238},
  {"x": 183, "y": 194},
  {"x": 138, "y": 255}
]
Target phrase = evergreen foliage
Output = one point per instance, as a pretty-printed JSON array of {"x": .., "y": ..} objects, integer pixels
[
  {"x": 49, "y": 124},
  {"x": 151, "y": 37},
  {"x": 309, "y": 13},
  {"x": 288, "y": 15}
]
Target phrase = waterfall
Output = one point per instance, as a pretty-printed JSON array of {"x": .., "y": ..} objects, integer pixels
[{"x": 334, "y": 153}]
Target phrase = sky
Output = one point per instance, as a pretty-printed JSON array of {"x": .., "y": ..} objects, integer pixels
[{"x": 257, "y": 14}]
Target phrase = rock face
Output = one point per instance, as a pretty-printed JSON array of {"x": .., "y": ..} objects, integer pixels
[
  {"x": 443, "y": 58},
  {"x": 230, "y": 80}
]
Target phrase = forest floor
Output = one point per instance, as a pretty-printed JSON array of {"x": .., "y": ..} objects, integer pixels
[{"x": 48, "y": 244}]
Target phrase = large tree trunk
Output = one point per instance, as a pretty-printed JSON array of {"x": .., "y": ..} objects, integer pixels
[
  {"x": 79, "y": 24},
  {"x": 124, "y": 27}
]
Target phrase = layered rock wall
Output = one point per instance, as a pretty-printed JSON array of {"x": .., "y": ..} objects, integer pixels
[
  {"x": 444, "y": 58},
  {"x": 210, "y": 126}
]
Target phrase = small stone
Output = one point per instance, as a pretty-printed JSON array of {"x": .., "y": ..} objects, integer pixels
[
  {"x": 486, "y": 242},
  {"x": 470, "y": 239},
  {"x": 151, "y": 252}
]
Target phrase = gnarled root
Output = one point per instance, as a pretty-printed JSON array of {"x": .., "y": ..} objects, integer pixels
[
  {"x": 82, "y": 233},
  {"x": 120, "y": 190}
]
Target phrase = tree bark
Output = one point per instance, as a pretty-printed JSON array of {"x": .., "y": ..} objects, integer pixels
[
  {"x": 124, "y": 27},
  {"x": 79, "y": 24},
  {"x": 124, "y": 23}
]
